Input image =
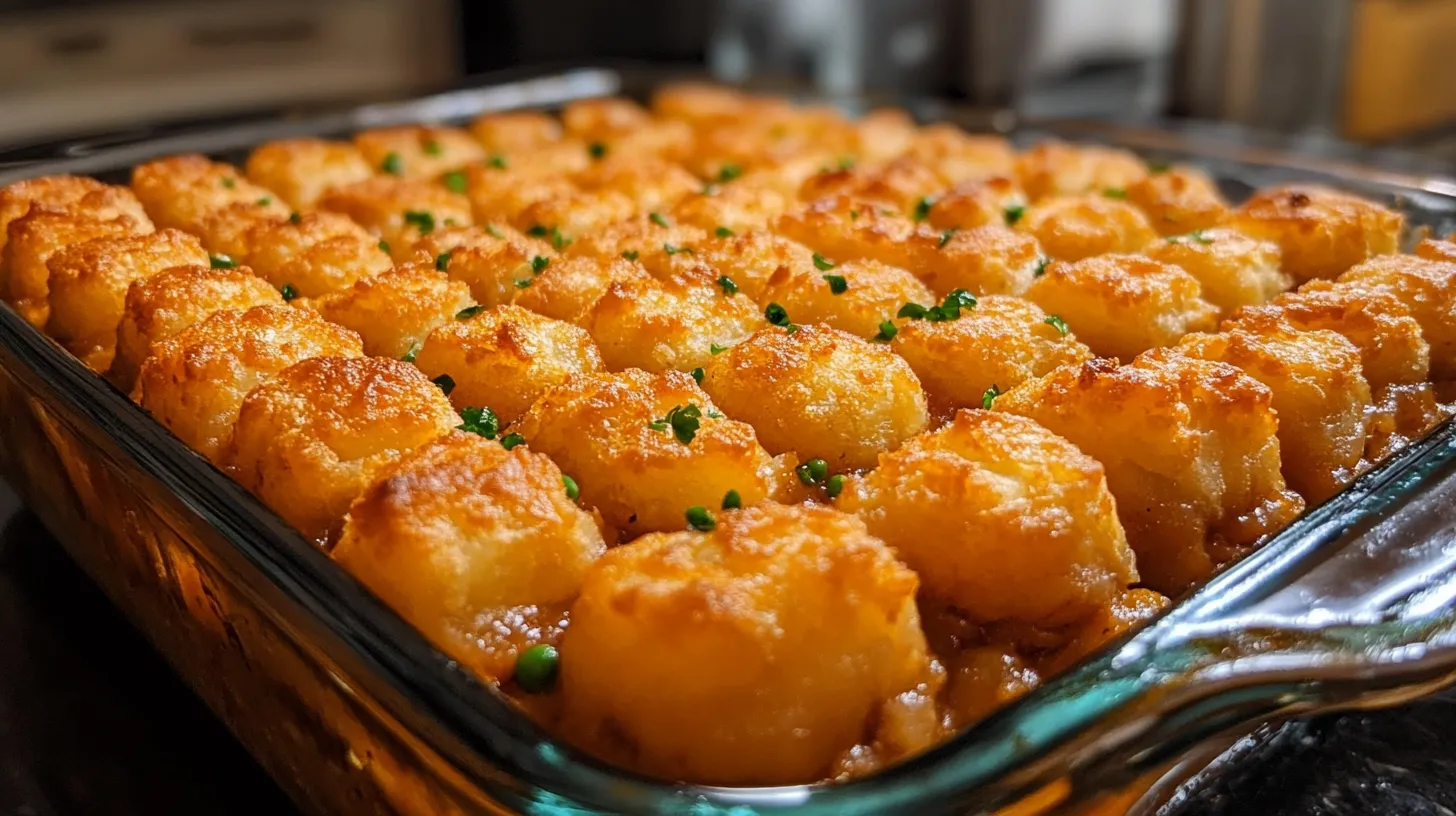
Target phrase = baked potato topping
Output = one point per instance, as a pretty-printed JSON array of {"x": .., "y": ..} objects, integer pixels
[{"x": 745, "y": 443}]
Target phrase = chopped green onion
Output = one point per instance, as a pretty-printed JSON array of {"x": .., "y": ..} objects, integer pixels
[
  {"x": 723, "y": 232},
  {"x": 949, "y": 309},
  {"x": 469, "y": 312},
  {"x": 715, "y": 349},
  {"x": 1115, "y": 192},
  {"x": 1057, "y": 323},
  {"x": 846, "y": 162},
  {"x": 697, "y": 375},
  {"x": 1158, "y": 167},
  {"x": 922, "y": 208},
  {"x": 1194, "y": 237},
  {"x": 732, "y": 501},
  {"x": 383, "y": 246},
  {"x": 631, "y": 254},
  {"x": 727, "y": 285},
  {"x": 539, "y": 264},
  {"x": 837, "y": 284},
  {"x": 493, "y": 232},
  {"x": 1041, "y": 266},
  {"x": 728, "y": 172},
  {"x": 988, "y": 398},
  {"x": 392, "y": 164},
  {"x": 854, "y": 215},
  {"x": 409, "y": 356},
  {"x": 265, "y": 201},
  {"x": 480, "y": 421},
  {"x": 538, "y": 231},
  {"x": 684, "y": 421},
  {"x": 288, "y": 292},
  {"x": 442, "y": 261},
  {"x": 221, "y": 262},
  {"x": 511, "y": 440},
  {"x": 674, "y": 250},
  {"x": 658, "y": 219},
  {"x": 887, "y": 333},
  {"x": 700, "y": 519},
  {"x": 497, "y": 161},
  {"x": 455, "y": 181},
  {"x": 445, "y": 382},
  {"x": 537, "y": 669},
  {"x": 422, "y": 220},
  {"x": 945, "y": 238},
  {"x": 776, "y": 314},
  {"x": 229, "y": 182},
  {"x": 295, "y": 218},
  {"x": 1013, "y": 213},
  {"x": 522, "y": 283},
  {"x": 572, "y": 490},
  {"x": 432, "y": 148},
  {"x": 558, "y": 242},
  {"x": 821, "y": 264},
  {"x": 596, "y": 150}
]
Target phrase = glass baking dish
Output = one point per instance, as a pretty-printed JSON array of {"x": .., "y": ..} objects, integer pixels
[{"x": 352, "y": 711}]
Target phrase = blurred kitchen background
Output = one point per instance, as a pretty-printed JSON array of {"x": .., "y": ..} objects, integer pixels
[{"x": 1373, "y": 71}]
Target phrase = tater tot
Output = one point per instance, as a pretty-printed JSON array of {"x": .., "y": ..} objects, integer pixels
[
  {"x": 872, "y": 293},
  {"x": 33, "y": 239},
  {"x": 685, "y": 663},
  {"x": 1190, "y": 450},
  {"x": 985, "y": 260},
  {"x": 574, "y": 214},
  {"x": 568, "y": 287},
  {"x": 395, "y": 311},
  {"x": 1320, "y": 232},
  {"x": 655, "y": 241},
  {"x": 1055, "y": 168},
  {"x": 225, "y": 232},
  {"x": 161, "y": 305},
  {"x": 1076, "y": 227},
  {"x": 650, "y": 182},
  {"x": 750, "y": 259},
  {"x": 76, "y": 195},
  {"x": 478, "y": 546},
  {"x": 700, "y": 103},
  {"x": 902, "y": 184},
  {"x": 313, "y": 254},
  {"x": 194, "y": 381},
  {"x": 612, "y": 433},
  {"x": 1179, "y": 200},
  {"x": 958, "y": 156},
  {"x": 820, "y": 393},
  {"x": 1233, "y": 270},
  {"x": 882, "y": 134},
  {"x": 994, "y": 200},
  {"x": 496, "y": 271},
  {"x": 300, "y": 170},
  {"x": 600, "y": 118},
  {"x": 181, "y": 191},
  {"x": 88, "y": 284},
  {"x": 1001, "y": 518},
  {"x": 1433, "y": 249},
  {"x": 309, "y": 440},
  {"x": 500, "y": 195},
  {"x": 1130, "y": 609},
  {"x": 401, "y": 211},
  {"x": 1428, "y": 289},
  {"x": 1319, "y": 393},
  {"x": 1122, "y": 305},
  {"x": 417, "y": 151},
  {"x": 505, "y": 133},
  {"x": 1392, "y": 349},
  {"x": 486, "y": 236},
  {"x": 737, "y": 207},
  {"x": 673, "y": 323},
  {"x": 1001, "y": 343},
  {"x": 505, "y": 357}
]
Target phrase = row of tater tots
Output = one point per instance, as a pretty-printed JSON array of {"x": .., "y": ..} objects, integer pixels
[{"x": 748, "y": 443}]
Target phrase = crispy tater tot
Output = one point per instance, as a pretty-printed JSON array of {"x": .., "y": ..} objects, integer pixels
[
  {"x": 700, "y": 103},
  {"x": 1320, "y": 232},
  {"x": 1428, "y": 289},
  {"x": 882, "y": 134},
  {"x": 505, "y": 133},
  {"x": 161, "y": 305},
  {"x": 748, "y": 259},
  {"x": 855, "y": 297},
  {"x": 309, "y": 440},
  {"x": 574, "y": 214},
  {"x": 1433, "y": 249},
  {"x": 1190, "y": 450},
  {"x": 1076, "y": 227},
  {"x": 1233, "y": 269},
  {"x": 181, "y": 191},
  {"x": 1122, "y": 305},
  {"x": 568, "y": 287},
  {"x": 1179, "y": 200},
  {"x": 1130, "y": 609},
  {"x": 395, "y": 311},
  {"x": 975, "y": 203},
  {"x": 673, "y": 323},
  {"x": 497, "y": 269},
  {"x": 34, "y": 238},
  {"x": 1055, "y": 168},
  {"x": 653, "y": 240},
  {"x": 300, "y": 170},
  {"x": 505, "y": 357},
  {"x": 500, "y": 194},
  {"x": 401, "y": 211},
  {"x": 1001, "y": 518},
  {"x": 1001, "y": 343},
  {"x": 417, "y": 151},
  {"x": 738, "y": 206},
  {"x": 88, "y": 284},
  {"x": 76, "y": 195},
  {"x": 479, "y": 547},
  {"x": 600, "y": 118},
  {"x": 650, "y": 182},
  {"x": 902, "y": 184},
  {"x": 639, "y": 466},
  {"x": 195, "y": 380},
  {"x": 1319, "y": 393},
  {"x": 820, "y": 393},
  {"x": 313, "y": 254},
  {"x": 958, "y": 156},
  {"x": 684, "y": 663}
]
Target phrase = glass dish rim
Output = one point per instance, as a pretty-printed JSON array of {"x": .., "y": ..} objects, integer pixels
[{"x": 473, "y": 727}]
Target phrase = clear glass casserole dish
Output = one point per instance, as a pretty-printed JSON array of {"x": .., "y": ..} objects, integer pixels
[{"x": 352, "y": 711}]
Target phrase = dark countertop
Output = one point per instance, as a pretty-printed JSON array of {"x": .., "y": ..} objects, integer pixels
[{"x": 92, "y": 721}]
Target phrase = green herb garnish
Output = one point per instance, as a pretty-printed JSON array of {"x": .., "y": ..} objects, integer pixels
[
  {"x": 442, "y": 261},
  {"x": 822, "y": 264},
  {"x": 922, "y": 208},
  {"x": 837, "y": 284},
  {"x": 658, "y": 219},
  {"x": 988, "y": 398},
  {"x": 511, "y": 440},
  {"x": 732, "y": 501},
  {"x": 455, "y": 181},
  {"x": 392, "y": 164},
  {"x": 480, "y": 421},
  {"x": 700, "y": 519},
  {"x": 421, "y": 220},
  {"x": 723, "y": 232},
  {"x": 288, "y": 292},
  {"x": 887, "y": 332},
  {"x": 445, "y": 382},
  {"x": 469, "y": 312},
  {"x": 1057, "y": 323},
  {"x": 1013, "y": 213},
  {"x": 221, "y": 262}
]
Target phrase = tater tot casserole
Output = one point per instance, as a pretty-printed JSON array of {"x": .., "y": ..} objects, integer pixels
[{"x": 743, "y": 443}]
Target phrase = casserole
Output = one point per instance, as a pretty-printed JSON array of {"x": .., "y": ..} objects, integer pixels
[{"x": 361, "y": 708}]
